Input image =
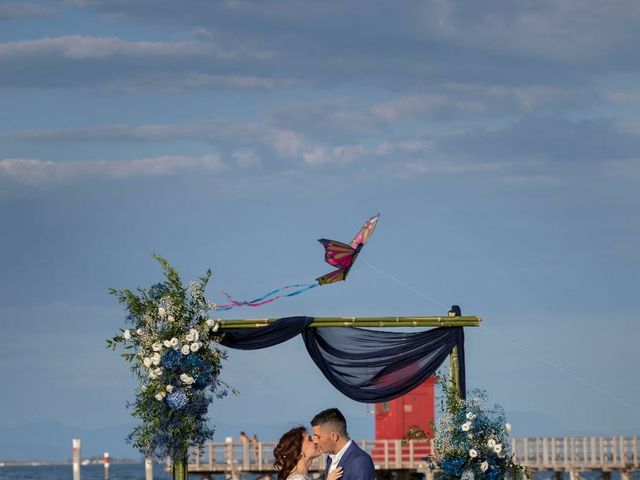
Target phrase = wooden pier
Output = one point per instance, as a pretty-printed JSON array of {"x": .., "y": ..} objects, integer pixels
[{"x": 553, "y": 454}]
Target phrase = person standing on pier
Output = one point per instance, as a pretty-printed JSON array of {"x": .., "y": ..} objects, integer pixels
[
  {"x": 331, "y": 436},
  {"x": 294, "y": 453},
  {"x": 255, "y": 446},
  {"x": 244, "y": 439}
]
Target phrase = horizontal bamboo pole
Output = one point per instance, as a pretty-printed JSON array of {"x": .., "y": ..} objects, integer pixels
[{"x": 464, "y": 321}]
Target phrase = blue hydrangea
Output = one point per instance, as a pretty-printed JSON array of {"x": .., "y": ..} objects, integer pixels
[
  {"x": 171, "y": 359},
  {"x": 452, "y": 466},
  {"x": 201, "y": 381},
  {"x": 494, "y": 473},
  {"x": 177, "y": 400},
  {"x": 195, "y": 362}
]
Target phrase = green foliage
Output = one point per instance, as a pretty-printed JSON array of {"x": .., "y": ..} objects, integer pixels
[
  {"x": 470, "y": 440},
  {"x": 171, "y": 345}
]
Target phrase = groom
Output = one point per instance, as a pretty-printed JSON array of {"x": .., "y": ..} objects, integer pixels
[{"x": 330, "y": 434}]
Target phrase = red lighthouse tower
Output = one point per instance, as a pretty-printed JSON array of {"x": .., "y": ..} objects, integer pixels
[{"x": 396, "y": 417}]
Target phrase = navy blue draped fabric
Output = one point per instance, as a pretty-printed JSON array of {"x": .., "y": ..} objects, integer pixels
[
  {"x": 368, "y": 366},
  {"x": 262, "y": 337}
]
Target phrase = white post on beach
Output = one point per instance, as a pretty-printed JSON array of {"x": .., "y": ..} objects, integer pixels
[
  {"x": 148, "y": 468},
  {"x": 105, "y": 460},
  {"x": 75, "y": 443}
]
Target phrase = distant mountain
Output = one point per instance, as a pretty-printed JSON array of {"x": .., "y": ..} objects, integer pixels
[{"x": 52, "y": 441}]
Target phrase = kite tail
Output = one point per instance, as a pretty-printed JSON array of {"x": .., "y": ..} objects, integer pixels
[{"x": 266, "y": 298}]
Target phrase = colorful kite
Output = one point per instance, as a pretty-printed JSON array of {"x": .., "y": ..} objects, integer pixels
[{"x": 337, "y": 254}]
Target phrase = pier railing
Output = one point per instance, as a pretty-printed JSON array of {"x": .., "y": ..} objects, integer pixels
[
  {"x": 238, "y": 457},
  {"x": 578, "y": 453},
  {"x": 572, "y": 454}
]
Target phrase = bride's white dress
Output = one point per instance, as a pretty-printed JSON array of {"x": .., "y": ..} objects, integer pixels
[{"x": 297, "y": 476}]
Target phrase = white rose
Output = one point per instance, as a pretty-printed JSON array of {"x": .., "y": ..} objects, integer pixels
[
  {"x": 158, "y": 372},
  {"x": 491, "y": 443},
  {"x": 508, "y": 427},
  {"x": 185, "y": 350},
  {"x": 195, "y": 346},
  {"x": 127, "y": 335},
  {"x": 167, "y": 343},
  {"x": 497, "y": 448},
  {"x": 139, "y": 332},
  {"x": 469, "y": 436},
  {"x": 484, "y": 466},
  {"x": 170, "y": 319},
  {"x": 189, "y": 337},
  {"x": 156, "y": 347},
  {"x": 466, "y": 426},
  {"x": 155, "y": 359},
  {"x": 160, "y": 395},
  {"x": 473, "y": 453},
  {"x": 210, "y": 322},
  {"x": 152, "y": 375},
  {"x": 162, "y": 312},
  {"x": 174, "y": 342},
  {"x": 169, "y": 388},
  {"x": 195, "y": 334},
  {"x": 146, "y": 361},
  {"x": 186, "y": 379},
  {"x": 471, "y": 416}
]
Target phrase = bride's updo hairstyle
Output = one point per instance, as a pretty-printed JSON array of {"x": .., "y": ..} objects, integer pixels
[{"x": 288, "y": 451}]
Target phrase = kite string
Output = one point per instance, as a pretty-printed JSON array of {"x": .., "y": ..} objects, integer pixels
[
  {"x": 515, "y": 344},
  {"x": 266, "y": 298},
  {"x": 397, "y": 280}
]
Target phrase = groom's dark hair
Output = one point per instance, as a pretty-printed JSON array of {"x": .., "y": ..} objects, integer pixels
[{"x": 334, "y": 417}]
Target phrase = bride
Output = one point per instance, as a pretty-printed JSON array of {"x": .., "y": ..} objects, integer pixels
[{"x": 294, "y": 453}]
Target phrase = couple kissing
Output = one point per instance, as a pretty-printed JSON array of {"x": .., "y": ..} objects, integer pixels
[{"x": 345, "y": 460}]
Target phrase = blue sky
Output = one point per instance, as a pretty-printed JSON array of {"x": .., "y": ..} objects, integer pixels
[{"x": 499, "y": 141}]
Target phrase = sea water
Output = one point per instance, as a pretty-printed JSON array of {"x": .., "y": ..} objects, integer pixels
[{"x": 135, "y": 471}]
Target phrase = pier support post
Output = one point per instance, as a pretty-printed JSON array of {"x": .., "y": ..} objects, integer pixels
[
  {"x": 148, "y": 468},
  {"x": 574, "y": 475},
  {"x": 606, "y": 475},
  {"x": 75, "y": 443},
  {"x": 624, "y": 475},
  {"x": 105, "y": 460}
]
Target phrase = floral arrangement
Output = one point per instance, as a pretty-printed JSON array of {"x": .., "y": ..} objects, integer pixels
[
  {"x": 171, "y": 344},
  {"x": 471, "y": 440}
]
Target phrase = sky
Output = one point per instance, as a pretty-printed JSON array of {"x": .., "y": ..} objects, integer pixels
[{"x": 499, "y": 141}]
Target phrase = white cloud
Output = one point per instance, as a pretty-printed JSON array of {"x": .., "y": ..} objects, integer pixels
[
  {"x": 247, "y": 159},
  {"x": 451, "y": 167},
  {"x": 176, "y": 82},
  {"x": 571, "y": 30},
  {"x": 624, "y": 97},
  {"x": 213, "y": 131},
  {"x": 287, "y": 142},
  {"x": 417, "y": 106},
  {"x": 542, "y": 180},
  {"x": 77, "y": 47},
  {"x": 37, "y": 172}
]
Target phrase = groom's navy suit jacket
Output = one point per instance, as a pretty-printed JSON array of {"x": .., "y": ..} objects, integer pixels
[{"x": 356, "y": 464}]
